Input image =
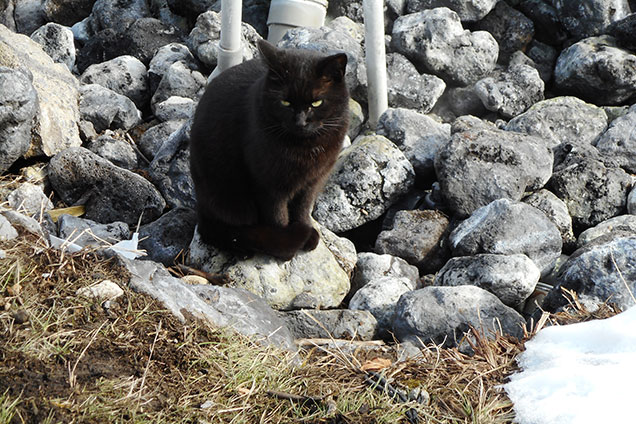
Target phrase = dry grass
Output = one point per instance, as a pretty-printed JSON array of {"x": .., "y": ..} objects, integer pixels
[{"x": 67, "y": 359}]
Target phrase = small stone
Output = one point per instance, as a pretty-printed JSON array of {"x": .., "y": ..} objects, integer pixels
[
  {"x": 195, "y": 279},
  {"x": 125, "y": 75},
  {"x": 334, "y": 323},
  {"x": 30, "y": 199},
  {"x": 20, "y": 316},
  {"x": 104, "y": 290}
]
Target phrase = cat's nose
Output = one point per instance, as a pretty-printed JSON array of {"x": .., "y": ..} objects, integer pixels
[{"x": 301, "y": 119}]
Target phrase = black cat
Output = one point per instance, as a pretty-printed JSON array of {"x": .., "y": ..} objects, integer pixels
[{"x": 265, "y": 135}]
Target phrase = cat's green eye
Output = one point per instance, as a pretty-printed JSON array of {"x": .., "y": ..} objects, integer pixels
[
  {"x": 316, "y": 103},
  {"x": 285, "y": 103}
]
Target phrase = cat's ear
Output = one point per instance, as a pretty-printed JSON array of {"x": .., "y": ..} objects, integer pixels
[
  {"x": 270, "y": 55},
  {"x": 332, "y": 68}
]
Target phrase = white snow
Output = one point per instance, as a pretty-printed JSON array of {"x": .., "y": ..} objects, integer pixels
[{"x": 578, "y": 374}]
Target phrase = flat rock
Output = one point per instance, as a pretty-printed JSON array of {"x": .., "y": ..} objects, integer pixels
[
  {"x": 512, "y": 278},
  {"x": 602, "y": 271},
  {"x": 435, "y": 40},
  {"x": 506, "y": 228},
  {"x": 619, "y": 141},
  {"x": 416, "y": 237},
  {"x": 106, "y": 109},
  {"x": 7, "y": 231},
  {"x": 29, "y": 199},
  {"x": 85, "y": 232},
  {"x": 18, "y": 109},
  {"x": 418, "y": 136},
  {"x": 443, "y": 315},
  {"x": 562, "y": 120},
  {"x": 112, "y": 147},
  {"x": 57, "y": 116},
  {"x": 109, "y": 193},
  {"x": 367, "y": 178},
  {"x": 597, "y": 70},
  {"x": 221, "y": 306},
  {"x": 512, "y": 91},
  {"x": 314, "y": 279},
  {"x": 498, "y": 164},
  {"x": 334, "y": 323}
]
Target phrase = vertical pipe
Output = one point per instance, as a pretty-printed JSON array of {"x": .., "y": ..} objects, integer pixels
[
  {"x": 230, "y": 44},
  {"x": 375, "y": 59}
]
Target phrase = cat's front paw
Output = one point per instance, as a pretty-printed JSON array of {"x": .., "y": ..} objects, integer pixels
[{"x": 312, "y": 241}]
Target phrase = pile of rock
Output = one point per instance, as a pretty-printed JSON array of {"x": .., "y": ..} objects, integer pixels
[{"x": 505, "y": 159}]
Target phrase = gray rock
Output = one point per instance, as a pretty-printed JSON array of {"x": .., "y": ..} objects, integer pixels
[
  {"x": 106, "y": 109},
  {"x": 619, "y": 225},
  {"x": 146, "y": 35},
  {"x": 179, "y": 80},
  {"x": 597, "y": 70},
  {"x": 67, "y": 12},
  {"x": 561, "y": 120},
  {"x": 7, "y": 232},
  {"x": 463, "y": 101},
  {"x": 170, "y": 169},
  {"x": 556, "y": 210},
  {"x": 408, "y": 88},
  {"x": 590, "y": 17},
  {"x": 512, "y": 29},
  {"x": 29, "y": 199},
  {"x": 619, "y": 141},
  {"x": 623, "y": 31},
  {"x": 57, "y": 41},
  {"x": 631, "y": 202},
  {"x": 468, "y": 10},
  {"x": 602, "y": 271},
  {"x": 117, "y": 15},
  {"x": 109, "y": 193},
  {"x": 151, "y": 140},
  {"x": 356, "y": 119},
  {"x": 498, "y": 164},
  {"x": 435, "y": 40},
  {"x": 592, "y": 191},
  {"x": 314, "y": 279},
  {"x": 28, "y": 15},
  {"x": 380, "y": 297},
  {"x": 507, "y": 228},
  {"x": 18, "y": 108},
  {"x": 85, "y": 232},
  {"x": 175, "y": 108},
  {"x": 204, "y": 38},
  {"x": 544, "y": 57},
  {"x": 511, "y": 92},
  {"x": 418, "y": 136},
  {"x": 57, "y": 116},
  {"x": 333, "y": 40},
  {"x": 415, "y": 237},
  {"x": 371, "y": 266},
  {"x": 26, "y": 222},
  {"x": 512, "y": 278},
  {"x": 443, "y": 315},
  {"x": 335, "y": 323},
  {"x": 125, "y": 75},
  {"x": 168, "y": 236},
  {"x": 112, "y": 147},
  {"x": 165, "y": 57},
  {"x": 221, "y": 306},
  {"x": 368, "y": 177}
]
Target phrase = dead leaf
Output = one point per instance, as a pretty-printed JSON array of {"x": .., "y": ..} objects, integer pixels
[
  {"x": 72, "y": 210},
  {"x": 376, "y": 364}
]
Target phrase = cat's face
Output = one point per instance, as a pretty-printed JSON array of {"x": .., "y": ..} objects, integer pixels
[{"x": 304, "y": 94}]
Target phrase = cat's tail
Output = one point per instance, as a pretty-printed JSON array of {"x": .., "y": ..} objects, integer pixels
[{"x": 280, "y": 242}]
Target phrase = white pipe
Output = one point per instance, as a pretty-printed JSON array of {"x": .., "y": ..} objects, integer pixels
[
  {"x": 287, "y": 14},
  {"x": 375, "y": 59},
  {"x": 229, "y": 52}
]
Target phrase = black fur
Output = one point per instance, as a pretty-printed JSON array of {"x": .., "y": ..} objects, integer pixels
[{"x": 265, "y": 135}]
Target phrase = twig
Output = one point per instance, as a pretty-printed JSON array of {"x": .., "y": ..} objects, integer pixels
[
  {"x": 316, "y": 400},
  {"x": 152, "y": 348},
  {"x": 71, "y": 377}
]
